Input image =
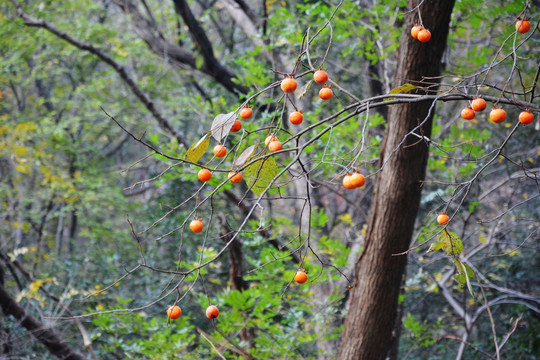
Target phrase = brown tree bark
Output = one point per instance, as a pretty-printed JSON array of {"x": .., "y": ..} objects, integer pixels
[{"x": 373, "y": 304}]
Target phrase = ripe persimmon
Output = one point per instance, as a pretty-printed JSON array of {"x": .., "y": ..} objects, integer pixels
[
  {"x": 296, "y": 117},
  {"x": 424, "y": 35},
  {"x": 300, "y": 276},
  {"x": 275, "y": 145},
  {"x": 326, "y": 93},
  {"x": 220, "y": 150},
  {"x": 174, "y": 312},
  {"x": 212, "y": 312},
  {"x": 347, "y": 182},
  {"x": 235, "y": 177},
  {"x": 246, "y": 112},
  {"x": 269, "y": 139},
  {"x": 526, "y": 117},
  {"x": 196, "y": 225},
  {"x": 288, "y": 85},
  {"x": 415, "y": 30},
  {"x": 468, "y": 113},
  {"x": 320, "y": 76},
  {"x": 478, "y": 104},
  {"x": 357, "y": 180},
  {"x": 442, "y": 219},
  {"x": 236, "y": 126},
  {"x": 204, "y": 175},
  {"x": 497, "y": 115},
  {"x": 523, "y": 26}
]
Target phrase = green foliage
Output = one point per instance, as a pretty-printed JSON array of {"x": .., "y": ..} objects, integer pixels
[
  {"x": 141, "y": 335},
  {"x": 422, "y": 334}
]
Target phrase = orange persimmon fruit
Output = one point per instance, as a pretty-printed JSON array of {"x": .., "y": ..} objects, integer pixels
[
  {"x": 288, "y": 85},
  {"x": 320, "y": 76},
  {"x": 523, "y": 26},
  {"x": 220, "y": 150},
  {"x": 497, "y": 115},
  {"x": 468, "y": 113},
  {"x": 357, "y": 180},
  {"x": 296, "y": 117},
  {"x": 300, "y": 276},
  {"x": 415, "y": 30},
  {"x": 236, "y": 126},
  {"x": 196, "y": 225},
  {"x": 326, "y": 93},
  {"x": 174, "y": 312},
  {"x": 526, "y": 117},
  {"x": 246, "y": 112},
  {"x": 478, "y": 104},
  {"x": 204, "y": 175},
  {"x": 275, "y": 145},
  {"x": 212, "y": 312},
  {"x": 347, "y": 182},
  {"x": 269, "y": 139},
  {"x": 235, "y": 177},
  {"x": 442, "y": 219},
  {"x": 424, "y": 35}
]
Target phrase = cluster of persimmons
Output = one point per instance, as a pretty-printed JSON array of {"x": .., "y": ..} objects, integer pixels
[{"x": 350, "y": 180}]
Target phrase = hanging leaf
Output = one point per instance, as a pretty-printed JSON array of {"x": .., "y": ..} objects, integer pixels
[
  {"x": 452, "y": 242},
  {"x": 221, "y": 126},
  {"x": 436, "y": 246},
  {"x": 259, "y": 174},
  {"x": 197, "y": 150},
  {"x": 405, "y": 88},
  {"x": 465, "y": 274},
  {"x": 246, "y": 155},
  {"x": 304, "y": 89}
]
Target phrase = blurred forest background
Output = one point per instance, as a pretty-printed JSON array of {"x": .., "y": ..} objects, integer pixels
[{"x": 72, "y": 180}]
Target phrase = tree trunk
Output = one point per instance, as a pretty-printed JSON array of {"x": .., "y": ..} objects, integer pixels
[
  {"x": 373, "y": 305},
  {"x": 236, "y": 272}
]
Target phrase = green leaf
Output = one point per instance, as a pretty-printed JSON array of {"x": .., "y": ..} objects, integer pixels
[
  {"x": 452, "y": 242},
  {"x": 259, "y": 174},
  {"x": 197, "y": 150},
  {"x": 466, "y": 273},
  {"x": 436, "y": 246},
  {"x": 405, "y": 88},
  {"x": 464, "y": 268}
]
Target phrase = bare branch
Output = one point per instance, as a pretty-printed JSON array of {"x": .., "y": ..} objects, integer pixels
[{"x": 211, "y": 65}]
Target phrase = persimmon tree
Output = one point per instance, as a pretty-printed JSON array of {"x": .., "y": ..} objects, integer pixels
[{"x": 275, "y": 195}]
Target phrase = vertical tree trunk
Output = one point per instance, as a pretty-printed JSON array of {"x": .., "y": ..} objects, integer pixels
[
  {"x": 373, "y": 304},
  {"x": 236, "y": 272}
]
